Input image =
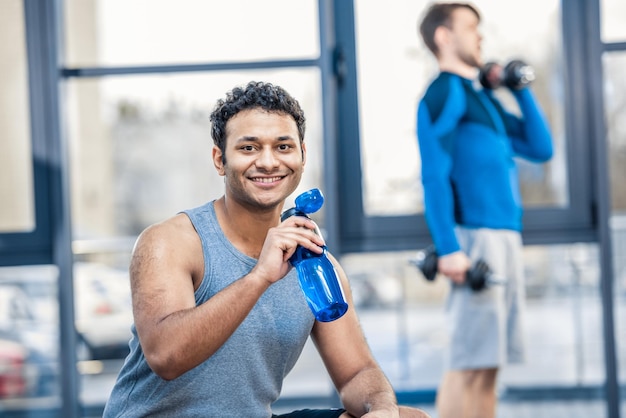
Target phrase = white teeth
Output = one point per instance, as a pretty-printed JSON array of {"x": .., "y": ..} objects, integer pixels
[{"x": 266, "y": 180}]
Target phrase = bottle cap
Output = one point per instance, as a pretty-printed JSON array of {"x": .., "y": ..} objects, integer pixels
[{"x": 310, "y": 201}]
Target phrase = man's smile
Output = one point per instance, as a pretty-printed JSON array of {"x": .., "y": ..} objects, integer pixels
[{"x": 266, "y": 179}]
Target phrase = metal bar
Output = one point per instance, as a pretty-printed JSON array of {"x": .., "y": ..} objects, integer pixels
[
  {"x": 327, "y": 42},
  {"x": 614, "y": 46},
  {"x": 44, "y": 45},
  {"x": 101, "y": 246},
  {"x": 83, "y": 72},
  {"x": 349, "y": 148},
  {"x": 597, "y": 132}
]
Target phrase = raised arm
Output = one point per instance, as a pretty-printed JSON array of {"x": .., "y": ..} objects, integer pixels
[
  {"x": 530, "y": 134},
  {"x": 166, "y": 268}
]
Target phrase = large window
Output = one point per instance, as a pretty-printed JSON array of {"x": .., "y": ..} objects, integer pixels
[
  {"x": 139, "y": 134},
  {"x": 382, "y": 210},
  {"x": 29, "y": 337},
  {"x": 16, "y": 168},
  {"x": 379, "y": 144},
  {"x": 615, "y": 108},
  {"x": 612, "y": 17},
  {"x": 141, "y": 145},
  {"x": 394, "y": 68},
  {"x": 155, "y": 32}
]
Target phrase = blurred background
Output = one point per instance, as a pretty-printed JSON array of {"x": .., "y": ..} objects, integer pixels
[{"x": 104, "y": 130}]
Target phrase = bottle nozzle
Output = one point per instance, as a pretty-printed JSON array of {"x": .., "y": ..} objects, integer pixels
[{"x": 310, "y": 201}]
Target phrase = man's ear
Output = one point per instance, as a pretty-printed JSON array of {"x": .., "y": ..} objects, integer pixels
[
  {"x": 442, "y": 37},
  {"x": 218, "y": 160},
  {"x": 303, "y": 145}
]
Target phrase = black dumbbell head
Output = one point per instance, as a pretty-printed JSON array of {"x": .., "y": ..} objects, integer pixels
[
  {"x": 427, "y": 262},
  {"x": 489, "y": 75},
  {"x": 518, "y": 74},
  {"x": 477, "y": 276}
]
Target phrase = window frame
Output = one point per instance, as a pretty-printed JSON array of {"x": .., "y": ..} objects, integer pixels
[
  {"x": 575, "y": 222},
  {"x": 35, "y": 247}
]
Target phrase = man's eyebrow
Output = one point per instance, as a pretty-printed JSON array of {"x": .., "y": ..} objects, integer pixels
[
  {"x": 250, "y": 138},
  {"x": 247, "y": 138}
]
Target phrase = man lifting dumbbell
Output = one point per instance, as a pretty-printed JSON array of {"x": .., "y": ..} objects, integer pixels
[
  {"x": 515, "y": 75},
  {"x": 467, "y": 144}
]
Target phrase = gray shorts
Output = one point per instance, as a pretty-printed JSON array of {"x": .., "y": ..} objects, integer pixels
[{"x": 485, "y": 327}]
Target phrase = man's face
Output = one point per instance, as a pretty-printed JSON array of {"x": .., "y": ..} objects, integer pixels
[
  {"x": 465, "y": 37},
  {"x": 264, "y": 158}
]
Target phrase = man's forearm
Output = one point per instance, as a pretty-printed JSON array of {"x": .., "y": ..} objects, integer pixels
[{"x": 369, "y": 391}]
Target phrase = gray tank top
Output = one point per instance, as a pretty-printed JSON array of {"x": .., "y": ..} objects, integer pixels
[{"x": 244, "y": 377}]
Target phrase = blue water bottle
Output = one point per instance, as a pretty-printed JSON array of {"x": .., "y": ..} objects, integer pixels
[{"x": 318, "y": 278}]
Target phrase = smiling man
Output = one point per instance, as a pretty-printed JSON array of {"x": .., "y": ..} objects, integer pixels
[{"x": 219, "y": 315}]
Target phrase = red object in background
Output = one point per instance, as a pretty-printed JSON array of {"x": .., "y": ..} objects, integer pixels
[{"x": 12, "y": 372}]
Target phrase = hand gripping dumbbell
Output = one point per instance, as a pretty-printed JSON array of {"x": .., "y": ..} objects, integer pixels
[
  {"x": 478, "y": 277},
  {"x": 515, "y": 75}
]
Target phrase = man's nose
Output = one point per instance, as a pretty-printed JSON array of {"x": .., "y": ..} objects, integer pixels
[{"x": 267, "y": 159}]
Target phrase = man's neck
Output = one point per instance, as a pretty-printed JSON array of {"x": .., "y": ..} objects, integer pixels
[
  {"x": 245, "y": 229},
  {"x": 458, "y": 68}
]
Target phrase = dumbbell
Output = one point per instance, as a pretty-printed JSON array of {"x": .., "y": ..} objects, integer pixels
[
  {"x": 478, "y": 277},
  {"x": 516, "y": 75}
]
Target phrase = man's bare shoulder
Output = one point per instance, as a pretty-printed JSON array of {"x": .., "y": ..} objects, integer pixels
[
  {"x": 174, "y": 232},
  {"x": 170, "y": 248}
]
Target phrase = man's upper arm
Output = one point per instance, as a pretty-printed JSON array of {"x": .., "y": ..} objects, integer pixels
[
  {"x": 341, "y": 343},
  {"x": 161, "y": 275},
  {"x": 439, "y": 114}
]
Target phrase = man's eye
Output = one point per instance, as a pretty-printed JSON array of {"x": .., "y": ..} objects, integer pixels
[
  {"x": 284, "y": 147},
  {"x": 247, "y": 148}
]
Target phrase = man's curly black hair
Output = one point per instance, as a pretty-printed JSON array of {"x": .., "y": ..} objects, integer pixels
[{"x": 256, "y": 94}]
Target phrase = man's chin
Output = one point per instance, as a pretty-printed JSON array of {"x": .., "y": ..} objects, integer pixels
[{"x": 270, "y": 198}]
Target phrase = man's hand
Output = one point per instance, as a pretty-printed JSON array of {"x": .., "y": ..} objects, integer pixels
[
  {"x": 402, "y": 412},
  {"x": 381, "y": 414},
  {"x": 280, "y": 244},
  {"x": 455, "y": 266}
]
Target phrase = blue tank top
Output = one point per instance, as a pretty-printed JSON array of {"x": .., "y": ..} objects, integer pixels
[{"x": 244, "y": 377}]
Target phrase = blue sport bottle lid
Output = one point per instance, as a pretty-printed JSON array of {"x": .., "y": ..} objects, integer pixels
[{"x": 310, "y": 201}]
